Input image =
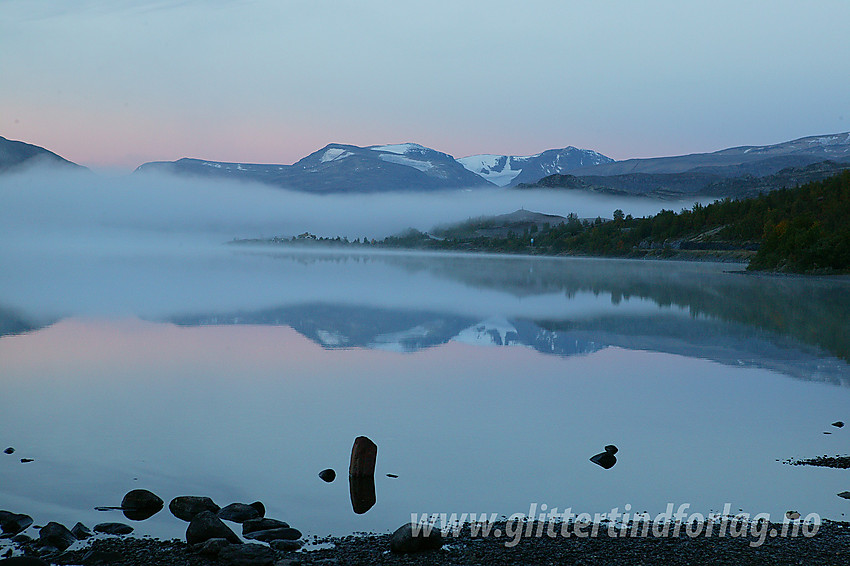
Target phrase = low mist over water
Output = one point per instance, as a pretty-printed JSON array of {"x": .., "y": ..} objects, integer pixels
[{"x": 66, "y": 207}]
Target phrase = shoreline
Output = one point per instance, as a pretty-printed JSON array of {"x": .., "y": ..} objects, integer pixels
[
  {"x": 829, "y": 545},
  {"x": 680, "y": 256}
]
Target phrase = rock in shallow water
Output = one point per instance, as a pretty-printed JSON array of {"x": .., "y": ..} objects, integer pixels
[
  {"x": 328, "y": 475},
  {"x": 14, "y": 523},
  {"x": 207, "y": 525},
  {"x": 844, "y": 494},
  {"x": 141, "y": 504},
  {"x": 113, "y": 528},
  {"x": 238, "y": 513},
  {"x": 364, "y": 454},
  {"x": 9, "y": 450},
  {"x": 363, "y": 495},
  {"x": 268, "y": 535},
  {"x": 405, "y": 541},
  {"x": 186, "y": 507},
  {"x": 254, "y": 525},
  {"x": 606, "y": 459},
  {"x": 56, "y": 535},
  {"x": 80, "y": 531}
]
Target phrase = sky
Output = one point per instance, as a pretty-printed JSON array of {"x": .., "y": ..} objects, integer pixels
[{"x": 112, "y": 84}]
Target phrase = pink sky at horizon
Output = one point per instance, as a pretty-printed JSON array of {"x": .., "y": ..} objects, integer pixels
[{"x": 115, "y": 84}]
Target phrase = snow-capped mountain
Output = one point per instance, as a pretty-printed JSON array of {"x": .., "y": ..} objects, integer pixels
[
  {"x": 510, "y": 170},
  {"x": 378, "y": 168},
  {"x": 345, "y": 168},
  {"x": 495, "y": 331}
]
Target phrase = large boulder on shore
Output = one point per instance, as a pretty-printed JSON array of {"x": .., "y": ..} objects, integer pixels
[
  {"x": 141, "y": 504},
  {"x": 56, "y": 535},
  {"x": 14, "y": 523},
  {"x": 405, "y": 540},
  {"x": 206, "y": 525},
  {"x": 186, "y": 507},
  {"x": 239, "y": 513}
]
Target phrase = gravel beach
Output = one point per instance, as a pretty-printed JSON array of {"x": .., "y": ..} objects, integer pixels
[{"x": 829, "y": 546}]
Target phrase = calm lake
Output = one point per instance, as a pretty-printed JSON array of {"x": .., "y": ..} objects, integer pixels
[{"x": 487, "y": 383}]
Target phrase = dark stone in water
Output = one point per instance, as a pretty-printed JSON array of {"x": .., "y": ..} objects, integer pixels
[
  {"x": 327, "y": 475},
  {"x": 56, "y": 535},
  {"x": 283, "y": 533},
  {"x": 186, "y": 507},
  {"x": 113, "y": 528},
  {"x": 404, "y": 541},
  {"x": 81, "y": 531},
  {"x": 844, "y": 494},
  {"x": 27, "y": 460},
  {"x": 206, "y": 525},
  {"x": 606, "y": 459},
  {"x": 254, "y": 525},
  {"x": 362, "y": 490},
  {"x": 9, "y": 450},
  {"x": 250, "y": 554},
  {"x": 238, "y": 513},
  {"x": 838, "y": 424},
  {"x": 364, "y": 454},
  {"x": 141, "y": 504},
  {"x": 14, "y": 523},
  {"x": 392, "y": 476}
]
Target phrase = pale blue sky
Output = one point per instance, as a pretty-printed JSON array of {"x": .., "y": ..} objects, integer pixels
[{"x": 118, "y": 83}]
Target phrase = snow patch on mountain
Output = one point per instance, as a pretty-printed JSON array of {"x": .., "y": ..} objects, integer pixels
[
  {"x": 506, "y": 170},
  {"x": 331, "y": 338},
  {"x": 423, "y": 166},
  {"x": 403, "y": 341},
  {"x": 399, "y": 148},
  {"x": 495, "y": 168},
  {"x": 495, "y": 331},
  {"x": 335, "y": 154}
]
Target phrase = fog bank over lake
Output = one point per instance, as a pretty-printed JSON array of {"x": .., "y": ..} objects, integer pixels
[{"x": 65, "y": 207}]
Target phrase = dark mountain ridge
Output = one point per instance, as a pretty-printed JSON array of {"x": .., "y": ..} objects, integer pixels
[{"x": 15, "y": 155}]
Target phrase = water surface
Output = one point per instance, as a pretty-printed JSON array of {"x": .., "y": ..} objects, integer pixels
[{"x": 486, "y": 382}]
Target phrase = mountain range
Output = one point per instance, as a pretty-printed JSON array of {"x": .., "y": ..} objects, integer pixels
[
  {"x": 409, "y": 166},
  {"x": 379, "y": 168}
]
